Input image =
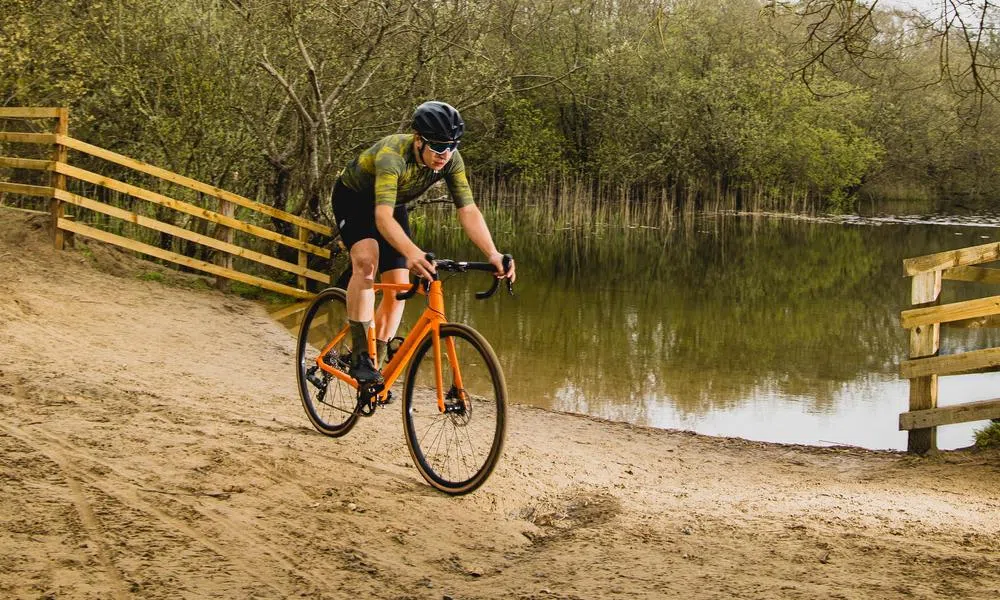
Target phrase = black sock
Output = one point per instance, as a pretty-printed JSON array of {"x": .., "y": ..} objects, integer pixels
[
  {"x": 380, "y": 348},
  {"x": 359, "y": 338}
]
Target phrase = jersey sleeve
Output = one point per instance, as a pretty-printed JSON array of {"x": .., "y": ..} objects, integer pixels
[
  {"x": 458, "y": 184},
  {"x": 389, "y": 166}
]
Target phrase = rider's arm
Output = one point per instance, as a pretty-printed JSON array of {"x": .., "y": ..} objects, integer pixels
[
  {"x": 475, "y": 227},
  {"x": 470, "y": 216}
]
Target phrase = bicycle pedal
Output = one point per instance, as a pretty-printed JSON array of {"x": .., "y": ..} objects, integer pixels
[
  {"x": 386, "y": 400},
  {"x": 368, "y": 399},
  {"x": 365, "y": 408},
  {"x": 392, "y": 346}
]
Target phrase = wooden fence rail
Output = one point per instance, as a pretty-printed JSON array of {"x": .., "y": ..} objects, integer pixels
[
  {"x": 925, "y": 320},
  {"x": 225, "y": 220}
]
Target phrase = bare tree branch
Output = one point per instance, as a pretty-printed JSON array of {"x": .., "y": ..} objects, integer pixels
[{"x": 300, "y": 108}]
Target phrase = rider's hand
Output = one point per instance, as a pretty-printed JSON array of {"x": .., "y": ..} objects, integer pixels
[
  {"x": 418, "y": 264},
  {"x": 496, "y": 259}
]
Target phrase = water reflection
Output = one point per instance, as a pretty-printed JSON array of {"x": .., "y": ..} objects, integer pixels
[{"x": 766, "y": 328}]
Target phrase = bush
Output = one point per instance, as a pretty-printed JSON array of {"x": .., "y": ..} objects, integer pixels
[{"x": 989, "y": 436}]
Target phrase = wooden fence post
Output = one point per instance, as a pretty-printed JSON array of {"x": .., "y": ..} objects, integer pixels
[
  {"x": 60, "y": 153},
  {"x": 925, "y": 340},
  {"x": 303, "y": 255},
  {"x": 226, "y": 234}
]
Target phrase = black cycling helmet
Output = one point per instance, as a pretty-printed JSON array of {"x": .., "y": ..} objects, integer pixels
[{"x": 438, "y": 121}]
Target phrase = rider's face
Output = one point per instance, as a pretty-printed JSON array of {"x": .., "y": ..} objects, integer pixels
[{"x": 434, "y": 160}]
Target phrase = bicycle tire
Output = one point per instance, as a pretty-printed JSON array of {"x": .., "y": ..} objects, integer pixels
[
  {"x": 426, "y": 428},
  {"x": 331, "y": 407}
]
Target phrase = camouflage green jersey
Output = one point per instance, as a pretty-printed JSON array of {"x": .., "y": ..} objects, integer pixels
[{"x": 390, "y": 168}]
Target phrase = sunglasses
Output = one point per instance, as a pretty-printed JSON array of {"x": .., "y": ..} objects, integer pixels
[{"x": 440, "y": 147}]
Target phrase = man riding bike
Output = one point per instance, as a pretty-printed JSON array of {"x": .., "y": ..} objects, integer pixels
[{"x": 369, "y": 204}]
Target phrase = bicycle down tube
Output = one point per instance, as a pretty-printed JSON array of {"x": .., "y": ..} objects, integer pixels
[{"x": 429, "y": 322}]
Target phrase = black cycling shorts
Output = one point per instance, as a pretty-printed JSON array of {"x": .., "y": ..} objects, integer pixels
[{"x": 355, "y": 214}]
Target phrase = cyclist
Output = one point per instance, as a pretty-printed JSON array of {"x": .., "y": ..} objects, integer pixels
[{"x": 369, "y": 204}]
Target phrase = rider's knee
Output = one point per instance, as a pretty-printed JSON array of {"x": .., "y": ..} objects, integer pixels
[
  {"x": 365, "y": 271},
  {"x": 364, "y": 261}
]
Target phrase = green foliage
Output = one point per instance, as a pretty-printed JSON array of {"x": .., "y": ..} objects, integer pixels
[
  {"x": 683, "y": 107},
  {"x": 831, "y": 154},
  {"x": 529, "y": 145},
  {"x": 151, "y": 276},
  {"x": 46, "y": 59},
  {"x": 251, "y": 292},
  {"x": 700, "y": 97},
  {"x": 989, "y": 436}
]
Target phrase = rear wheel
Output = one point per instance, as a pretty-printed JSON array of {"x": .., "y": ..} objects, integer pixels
[
  {"x": 455, "y": 450},
  {"x": 329, "y": 402}
]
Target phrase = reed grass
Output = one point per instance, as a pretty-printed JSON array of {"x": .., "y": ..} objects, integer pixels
[
  {"x": 901, "y": 191},
  {"x": 574, "y": 202},
  {"x": 590, "y": 207}
]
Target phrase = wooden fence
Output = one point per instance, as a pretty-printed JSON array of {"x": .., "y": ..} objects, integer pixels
[
  {"x": 225, "y": 220},
  {"x": 925, "y": 320}
]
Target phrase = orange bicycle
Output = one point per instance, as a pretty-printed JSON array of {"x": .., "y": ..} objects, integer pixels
[{"x": 454, "y": 393}]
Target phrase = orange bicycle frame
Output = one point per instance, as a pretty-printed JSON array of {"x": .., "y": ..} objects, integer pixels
[{"x": 429, "y": 323}]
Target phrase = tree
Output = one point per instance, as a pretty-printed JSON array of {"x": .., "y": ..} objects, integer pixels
[
  {"x": 347, "y": 72},
  {"x": 841, "y": 35}
]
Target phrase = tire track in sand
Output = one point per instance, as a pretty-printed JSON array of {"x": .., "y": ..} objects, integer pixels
[
  {"x": 91, "y": 523},
  {"x": 125, "y": 491}
]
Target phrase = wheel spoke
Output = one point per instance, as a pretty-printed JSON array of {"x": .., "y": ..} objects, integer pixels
[
  {"x": 330, "y": 407},
  {"x": 456, "y": 450}
]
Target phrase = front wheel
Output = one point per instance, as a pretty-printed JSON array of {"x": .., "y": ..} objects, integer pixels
[
  {"x": 329, "y": 402},
  {"x": 457, "y": 449}
]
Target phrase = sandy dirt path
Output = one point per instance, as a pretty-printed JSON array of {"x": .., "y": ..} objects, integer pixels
[{"x": 152, "y": 446}]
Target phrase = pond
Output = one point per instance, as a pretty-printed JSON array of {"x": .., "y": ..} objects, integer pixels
[{"x": 767, "y": 328}]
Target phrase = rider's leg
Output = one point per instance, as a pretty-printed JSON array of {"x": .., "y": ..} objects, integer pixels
[
  {"x": 361, "y": 306},
  {"x": 356, "y": 220},
  {"x": 390, "y": 311},
  {"x": 392, "y": 265},
  {"x": 361, "y": 287}
]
